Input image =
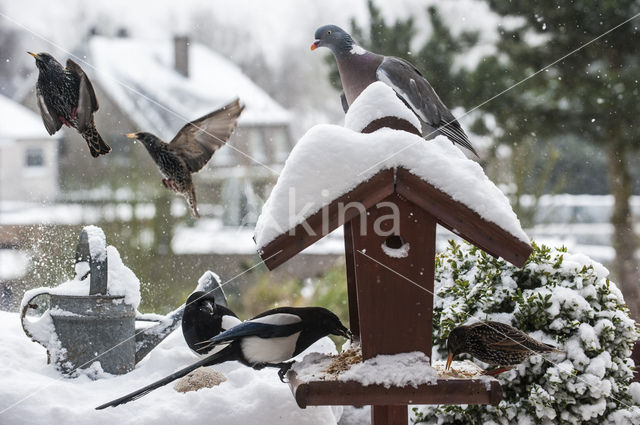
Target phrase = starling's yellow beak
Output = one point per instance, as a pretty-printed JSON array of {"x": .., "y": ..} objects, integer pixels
[
  {"x": 449, "y": 360},
  {"x": 132, "y": 136},
  {"x": 35, "y": 55}
]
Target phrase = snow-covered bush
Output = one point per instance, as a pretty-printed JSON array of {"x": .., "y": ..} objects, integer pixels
[{"x": 559, "y": 298}]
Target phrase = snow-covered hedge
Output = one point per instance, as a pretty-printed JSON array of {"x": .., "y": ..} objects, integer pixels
[{"x": 560, "y": 298}]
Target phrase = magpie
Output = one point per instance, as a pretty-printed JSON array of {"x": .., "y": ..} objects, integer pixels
[
  {"x": 203, "y": 319},
  {"x": 268, "y": 340}
]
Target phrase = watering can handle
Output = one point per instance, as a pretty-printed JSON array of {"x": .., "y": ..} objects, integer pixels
[
  {"x": 92, "y": 248},
  {"x": 23, "y": 315}
]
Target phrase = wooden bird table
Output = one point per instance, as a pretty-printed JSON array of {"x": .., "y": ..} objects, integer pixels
[{"x": 391, "y": 296}]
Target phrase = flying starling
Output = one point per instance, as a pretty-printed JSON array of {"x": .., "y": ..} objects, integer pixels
[
  {"x": 191, "y": 149},
  {"x": 65, "y": 96},
  {"x": 495, "y": 343}
]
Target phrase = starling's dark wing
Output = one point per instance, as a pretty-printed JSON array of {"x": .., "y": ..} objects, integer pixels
[
  {"x": 197, "y": 141},
  {"x": 417, "y": 93},
  {"x": 50, "y": 119},
  {"x": 87, "y": 100},
  {"x": 498, "y": 336}
]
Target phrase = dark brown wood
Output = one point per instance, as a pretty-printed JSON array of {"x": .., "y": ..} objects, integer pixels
[
  {"x": 445, "y": 391},
  {"x": 352, "y": 293},
  {"x": 461, "y": 219},
  {"x": 395, "y": 295},
  {"x": 322, "y": 222},
  {"x": 391, "y": 122},
  {"x": 389, "y": 415}
]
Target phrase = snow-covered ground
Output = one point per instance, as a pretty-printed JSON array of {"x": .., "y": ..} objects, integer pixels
[{"x": 33, "y": 392}]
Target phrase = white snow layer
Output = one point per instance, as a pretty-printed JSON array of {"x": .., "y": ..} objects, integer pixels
[
  {"x": 400, "y": 370},
  {"x": 330, "y": 160},
  {"x": 377, "y": 101},
  {"x": 97, "y": 242},
  {"x": 33, "y": 392}
]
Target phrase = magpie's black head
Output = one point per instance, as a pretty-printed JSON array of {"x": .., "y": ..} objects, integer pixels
[
  {"x": 45, "y": 62},
  {"x": 327, "y": 322},
  {"x": 456, "y": 343},
  {"x": 334, "y": 38},
  {"x": 203, "y": 319}
]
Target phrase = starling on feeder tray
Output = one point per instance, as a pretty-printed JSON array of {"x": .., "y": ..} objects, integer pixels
[
  {"x": 191, "y": 149},
  {"x": 65, "y": 96},
  {"x": 495, "y": 343}
]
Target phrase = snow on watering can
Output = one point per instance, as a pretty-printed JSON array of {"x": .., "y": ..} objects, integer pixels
[{"x": 84, "y": 325}]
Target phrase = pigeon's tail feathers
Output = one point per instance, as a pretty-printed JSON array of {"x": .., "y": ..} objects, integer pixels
[
  {"x": 97, "y": 146},
  {"x": 190, "y": 196},
  {"x": 456, "y": 134},
  {"x": 215, "y": 358}
]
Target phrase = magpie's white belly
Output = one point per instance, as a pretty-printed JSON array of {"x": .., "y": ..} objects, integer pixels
[{"x": 269, "y": 350}]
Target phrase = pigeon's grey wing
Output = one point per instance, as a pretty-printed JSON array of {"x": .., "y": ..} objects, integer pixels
[
  {"x": 343, "y": 100},
  {"x": 417, "y": 93},
  {"x": 198, "y": 140},
  {"x": 87, "y": 100},
  {"x": 50, "y": 119}
]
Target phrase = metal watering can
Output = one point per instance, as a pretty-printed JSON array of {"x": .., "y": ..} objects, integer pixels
[{"x": 99, "y": 327}]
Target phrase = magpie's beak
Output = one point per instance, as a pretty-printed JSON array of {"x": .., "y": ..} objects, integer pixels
[
  {"x": 132, "y": 136},
  {"x": 344, "y": 332},
  {"x": 315, "y": 45},
  {"x": 35, "y": 55},
  {"x": 449, "y": 360}
]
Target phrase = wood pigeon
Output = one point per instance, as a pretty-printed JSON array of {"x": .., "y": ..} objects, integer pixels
[{"x": 358, "y": 68}]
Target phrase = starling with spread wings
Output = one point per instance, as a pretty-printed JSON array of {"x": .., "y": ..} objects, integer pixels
[
  {"x": 191, "y": 149},
  {"x": 65, "y": 96}
]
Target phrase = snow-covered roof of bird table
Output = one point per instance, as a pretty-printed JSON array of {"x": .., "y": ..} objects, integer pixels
[{"x": 331, "y": 160}]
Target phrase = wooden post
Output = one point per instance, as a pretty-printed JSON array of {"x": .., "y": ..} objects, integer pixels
[{"x": 394, "y": 295}]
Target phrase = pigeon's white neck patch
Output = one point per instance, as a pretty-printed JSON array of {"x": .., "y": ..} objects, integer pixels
[{"x": 357, "y": 50}]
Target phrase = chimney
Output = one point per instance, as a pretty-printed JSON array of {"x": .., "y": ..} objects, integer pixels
[{"x": 181, "y": 54}]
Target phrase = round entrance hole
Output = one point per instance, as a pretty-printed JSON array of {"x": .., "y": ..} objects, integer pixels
[
  {"x": 395, "y": 247},
  {"x": 394, "y": 242}
]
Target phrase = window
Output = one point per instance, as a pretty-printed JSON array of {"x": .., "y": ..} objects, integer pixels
[
  {"x": 34, "y": 157},
  {"x": 256, "y": 145}
]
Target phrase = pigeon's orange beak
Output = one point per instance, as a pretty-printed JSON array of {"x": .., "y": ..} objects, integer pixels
[
  {"x": 449, "y": 360},
  {"x": 315, "y": 45}
]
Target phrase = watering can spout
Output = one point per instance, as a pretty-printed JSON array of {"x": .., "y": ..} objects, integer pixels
[{"x": 148, "y": 339}]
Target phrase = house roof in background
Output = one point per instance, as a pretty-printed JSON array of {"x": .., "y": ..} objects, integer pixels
[
  {"x": 140, "y": 77},
  {"x": 19, "y": 122}
]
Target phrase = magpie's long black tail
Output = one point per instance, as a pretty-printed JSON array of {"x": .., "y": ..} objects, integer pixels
[{"x": 219, "y": 357}]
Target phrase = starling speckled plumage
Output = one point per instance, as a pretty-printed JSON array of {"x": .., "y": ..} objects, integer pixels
[
  {"x": 65, "y": 96},
  {"x": 191, "y": 149},
  {"x": 495, "y": 343}
]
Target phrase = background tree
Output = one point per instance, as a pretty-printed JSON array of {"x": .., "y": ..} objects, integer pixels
[
  {"x": 567, "y": 126},
  {"x": 591, "y": 95}
]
